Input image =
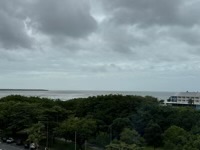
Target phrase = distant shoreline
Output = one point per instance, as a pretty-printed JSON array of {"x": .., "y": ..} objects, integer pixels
[{"x": 23, "y": 90}]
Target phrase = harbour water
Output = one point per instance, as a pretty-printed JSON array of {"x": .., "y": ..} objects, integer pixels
[{"x": 70, "y": 94}]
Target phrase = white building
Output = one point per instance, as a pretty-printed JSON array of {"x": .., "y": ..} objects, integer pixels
[{"x": 184, "y": 99}]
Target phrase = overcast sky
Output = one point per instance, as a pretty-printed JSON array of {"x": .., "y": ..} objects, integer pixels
[{"x": 131, "y": 45}]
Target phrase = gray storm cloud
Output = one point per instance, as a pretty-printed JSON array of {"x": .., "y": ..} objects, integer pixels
[
  {"x": 66, "y": 18},
  {"x": 12, "y": 32},
  {"x": 153, "y": 12}
]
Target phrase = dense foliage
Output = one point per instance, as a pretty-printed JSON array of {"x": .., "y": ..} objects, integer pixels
[{"x": 110, "y": 121}]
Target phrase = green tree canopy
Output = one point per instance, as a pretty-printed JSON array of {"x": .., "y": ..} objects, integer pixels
[
  {"x": 153, "y": 134},
  {"x": 175, "y": 138},
  {"x": 36, "y": 133},
  {"x": 129, "y": 136},
  {"x": 83, "y": 128}
]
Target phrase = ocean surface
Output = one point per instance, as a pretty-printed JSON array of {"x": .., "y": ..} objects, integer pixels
[{"x": 67, "y": 95}]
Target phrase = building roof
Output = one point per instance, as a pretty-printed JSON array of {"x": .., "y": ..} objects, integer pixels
[{"x": 188, "y": 94}]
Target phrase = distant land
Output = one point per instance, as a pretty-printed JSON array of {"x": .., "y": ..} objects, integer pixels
[{"x": 23, "y": 90}]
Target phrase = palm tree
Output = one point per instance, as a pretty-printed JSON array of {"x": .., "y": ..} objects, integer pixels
[{"x": 190, "y": 101}]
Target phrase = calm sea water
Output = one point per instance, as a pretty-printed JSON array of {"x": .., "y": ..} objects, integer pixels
[{"x": 66, "y": 95}]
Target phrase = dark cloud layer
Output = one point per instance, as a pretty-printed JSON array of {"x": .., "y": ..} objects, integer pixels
[
  {"x": 12, "y": 29},
  {"x": 66, "y": 18},
  {"x": 152, "y": 12}
]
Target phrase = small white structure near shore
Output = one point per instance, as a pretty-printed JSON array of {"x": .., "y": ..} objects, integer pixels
[{"x": 185, "y": 99}]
